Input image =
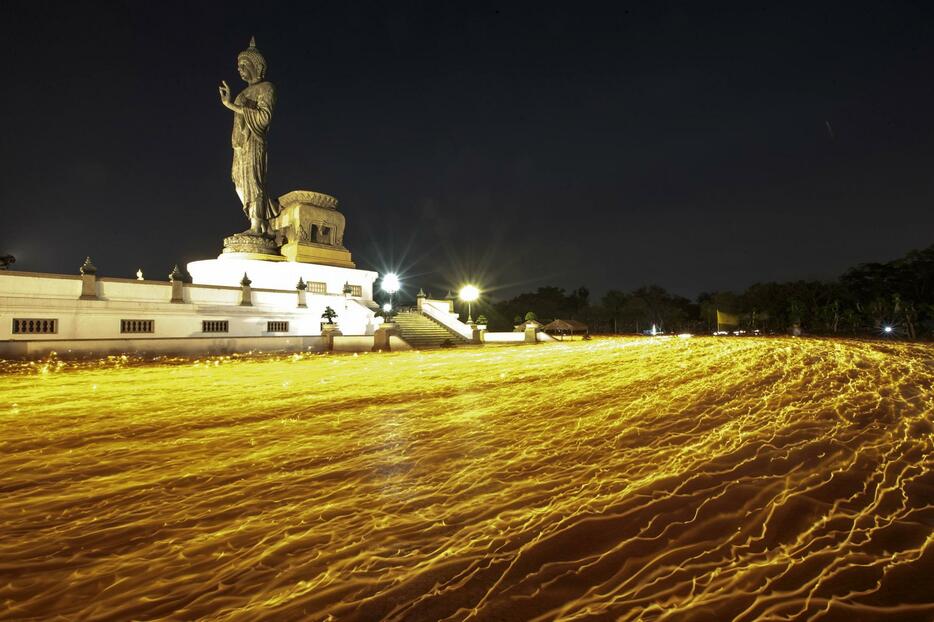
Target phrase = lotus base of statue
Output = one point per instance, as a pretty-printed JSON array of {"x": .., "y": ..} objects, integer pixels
[{"x": 255, "y": 246}]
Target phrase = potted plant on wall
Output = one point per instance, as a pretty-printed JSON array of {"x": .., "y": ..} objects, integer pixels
[{"x": 328, "y": 326}]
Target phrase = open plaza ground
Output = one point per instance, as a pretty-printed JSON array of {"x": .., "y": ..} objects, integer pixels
[{"x": 631, "y": 479}]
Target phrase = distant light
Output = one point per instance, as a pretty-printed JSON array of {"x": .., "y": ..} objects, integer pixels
[
  {"x": 390, "y": 283},
  {"x": 139, "y": 274},
  {"x": 469, "y": 293},
  {"x": 685, "y": 335},
  {"x": 654, "y": 330},
  {"x": 887, "y": 329},
  {"x": 387, "y": 307}
]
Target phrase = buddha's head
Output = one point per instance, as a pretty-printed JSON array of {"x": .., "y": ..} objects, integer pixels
[{"x": 251, "y": 64}]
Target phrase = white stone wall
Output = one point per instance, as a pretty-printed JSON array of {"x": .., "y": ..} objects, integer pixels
[
  {"x": 44, "y": 296},
  {"x": 513, "y": 337},
  {"x": 503, "y": 337},
  {"x": 65, "y": 348}
]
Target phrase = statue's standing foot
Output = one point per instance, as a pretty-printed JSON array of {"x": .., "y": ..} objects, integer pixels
[{"x": 257, "y": 227}]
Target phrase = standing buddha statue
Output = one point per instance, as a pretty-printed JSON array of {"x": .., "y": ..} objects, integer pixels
[{"x": 252, "y": 110}]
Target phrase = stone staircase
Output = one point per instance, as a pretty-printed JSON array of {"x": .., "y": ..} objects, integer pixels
[{"x": 421, "y": 332}]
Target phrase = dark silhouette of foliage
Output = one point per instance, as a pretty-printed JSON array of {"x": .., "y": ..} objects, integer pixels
[{"x": 863, "y": 301}]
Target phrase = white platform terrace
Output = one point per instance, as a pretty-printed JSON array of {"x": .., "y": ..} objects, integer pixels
[
  {"x": 42, "y": 312},
  {"x": 280, "y": 275}
]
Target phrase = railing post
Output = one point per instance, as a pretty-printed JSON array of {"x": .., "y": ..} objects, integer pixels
[
  {"x": 246, "y": 295},
  {"x": 329, "y": 331},
  {"x": 300, "y": 289},
  {"x": 88, "y": 280},
  {"x": 178, "y": 285},
  {"x": 382, "y": 336}
]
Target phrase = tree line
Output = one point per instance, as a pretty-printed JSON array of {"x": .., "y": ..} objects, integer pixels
[{"x": 862, "y": 301}]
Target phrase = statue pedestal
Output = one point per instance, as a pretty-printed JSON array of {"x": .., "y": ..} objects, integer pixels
[
  {"x": 313, "y": 229},
  {"x": 312, "y": 232}
]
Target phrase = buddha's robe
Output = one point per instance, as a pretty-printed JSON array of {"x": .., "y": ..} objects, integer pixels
[{"x": 249, "y": 147}]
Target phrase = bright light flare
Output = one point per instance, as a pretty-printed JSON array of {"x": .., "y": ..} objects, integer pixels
[
  {"x": 390, "y": 283},
  {"x": 387, "y": 307},
  {"x": 469, "y": 293}
]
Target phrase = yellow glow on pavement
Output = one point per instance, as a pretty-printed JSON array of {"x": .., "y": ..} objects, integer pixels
[{"x": 630, "y": 479}]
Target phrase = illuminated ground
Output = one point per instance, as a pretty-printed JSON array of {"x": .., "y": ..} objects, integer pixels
[{"x": 695, "y": 479}]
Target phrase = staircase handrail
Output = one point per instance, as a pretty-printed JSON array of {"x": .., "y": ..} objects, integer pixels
[{"x": 447, "y": 319}]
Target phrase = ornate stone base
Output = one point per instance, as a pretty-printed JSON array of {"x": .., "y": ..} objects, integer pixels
[
  {"x": 247, "y": 243},
  {"x": 317, "y": 253},
  {"x": 312, "y": 228}
]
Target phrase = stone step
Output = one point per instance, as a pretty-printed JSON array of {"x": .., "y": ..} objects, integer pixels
[{"x": 420, "y": 331}]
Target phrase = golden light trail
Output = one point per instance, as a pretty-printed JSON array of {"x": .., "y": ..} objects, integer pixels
[{"x": 630, "y": 479}]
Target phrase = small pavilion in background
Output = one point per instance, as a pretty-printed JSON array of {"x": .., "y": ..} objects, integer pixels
[{"x": 566, "y": 329}]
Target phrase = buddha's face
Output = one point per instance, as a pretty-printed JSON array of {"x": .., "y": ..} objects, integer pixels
[{"x": 247, "y": 71}]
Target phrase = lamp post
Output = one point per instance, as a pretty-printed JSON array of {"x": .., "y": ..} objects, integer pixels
[
  {"x": 347, "y": 291},
  {"x": 468, "y": 294},
  {"x": 390, "y": 285}
]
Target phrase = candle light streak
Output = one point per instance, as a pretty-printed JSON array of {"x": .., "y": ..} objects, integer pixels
[{"x": 631, "y": 479}]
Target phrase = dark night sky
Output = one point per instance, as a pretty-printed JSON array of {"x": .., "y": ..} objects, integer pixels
[{"x": 516, "y": 145}]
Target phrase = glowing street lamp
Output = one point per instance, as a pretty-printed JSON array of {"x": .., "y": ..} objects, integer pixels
[
  {"x": 390, "y": 285},
  {"x": 468, "y": 294},
  {"x": 887, "y": 330}
]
